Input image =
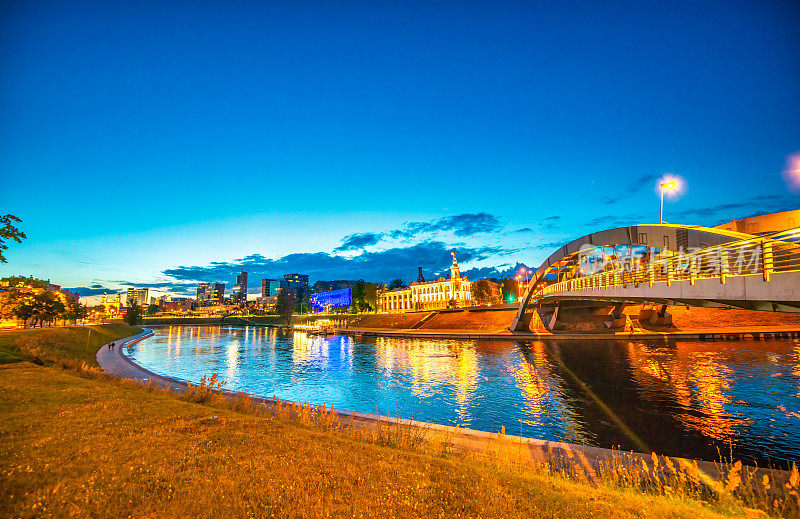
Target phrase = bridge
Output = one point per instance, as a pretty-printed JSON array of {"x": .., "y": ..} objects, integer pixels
[{"x": 665, "y": 264}]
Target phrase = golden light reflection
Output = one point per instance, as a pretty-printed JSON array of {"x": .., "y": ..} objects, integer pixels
[
  {"x": 535, "y": 388},
  {"x": 307, "y": 349},
  {"x": 178, "y": 342},
  {"x": 796, "y": 360},
  {"x": 432, "y": 364},
  {"x": 696, "y": 379}
]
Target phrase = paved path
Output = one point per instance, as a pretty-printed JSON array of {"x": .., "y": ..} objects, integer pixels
[{"x": 115, "y": 362}]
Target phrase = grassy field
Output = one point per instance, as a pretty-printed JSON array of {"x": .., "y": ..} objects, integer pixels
[
  {"x": 88, "y": 447},
  {"x": 76, "y": 442},
  {"x": 74, "y": 343}
]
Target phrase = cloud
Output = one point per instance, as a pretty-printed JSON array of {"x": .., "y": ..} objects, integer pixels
[
  {"x": 547, "y": 224},
  {"x": 94, "y": 290},
  {"x": 397, "y": 262},
  {"x": 466, "y": 224},
  {"x": 610, "y": 221},
  {"x": 359, "y": 241},
  {"x": 165, "y": 286},
  {"x": 550, "y": 246},
  {"x": 497, "y": 272},
  {"x": 644, "y": 181},
  {"x": 717, "y": 214},
  {"x": 462, "y": 225}
]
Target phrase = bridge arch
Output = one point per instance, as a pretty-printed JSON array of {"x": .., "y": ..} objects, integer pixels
[{"x": 566, "y": 260}]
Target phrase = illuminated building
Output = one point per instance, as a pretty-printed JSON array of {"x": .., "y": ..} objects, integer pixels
[
  {"x": 111, "y": 306},
  {"x": 210, "y": 294},
  {"x": 296, "y": 284},
  {"x": 429, "y": 295},
  {"x": 764, "y": 223},
  {"x": 176, "y": 304},
  {"x": 270, "y": 287},
  {"x": 239, "y": 294},
  {"x": 140, "y": 295},
  {"x": 267, "y": 303},
  {"x": 331, "y": 300}
]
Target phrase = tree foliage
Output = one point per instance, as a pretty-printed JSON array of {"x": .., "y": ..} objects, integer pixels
[
  {"x": 395, "y": 284},
  {"x": 9, "y": 231},
  {"x": 24, "y": 281},
  {"x": 36, "y": 306},
  {"x": 152, "y": 309},
  {"x": 133, "y": 313},
  {"x": 510, "y": 288},
  {"x": 365, "y": 296},
  {"x": 482, "y": 292},
  {"x": 285, "y": 306}
]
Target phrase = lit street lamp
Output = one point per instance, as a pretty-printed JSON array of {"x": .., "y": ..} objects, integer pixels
[{"x": 667, "y": 185}]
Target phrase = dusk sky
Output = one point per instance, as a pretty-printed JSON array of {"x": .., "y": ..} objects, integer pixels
[{"x": 163, "y": 144}]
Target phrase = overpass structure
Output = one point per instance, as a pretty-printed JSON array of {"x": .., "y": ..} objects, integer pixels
[{"x": 670, "y": 264}]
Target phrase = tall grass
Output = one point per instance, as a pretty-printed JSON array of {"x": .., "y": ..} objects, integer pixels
[{"x": 757, "y": 490}]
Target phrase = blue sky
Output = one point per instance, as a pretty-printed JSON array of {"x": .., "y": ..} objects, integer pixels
[{"x": 168, "y": 143}]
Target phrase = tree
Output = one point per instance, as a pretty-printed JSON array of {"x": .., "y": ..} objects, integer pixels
[
  {"x": 482, "y": 292},
  {"x": 75, "y": 311},
  {"x": 285, "y": 306},
  {"x": 48, "y": 307},
  {"x": 152, "y": 309},
  {"x": 31, "y": 282},
  {"x": 8, "y": 231},
  {"x": 133, "y": 313},
  {"x": 510, "y": 289},
  {"x": 100, "y": 309},
  {"x": 20, "y": 304},
  {"x": 395, "y": 284}
]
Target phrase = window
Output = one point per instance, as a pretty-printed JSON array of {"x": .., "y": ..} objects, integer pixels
[
  {"x": 642, "y": 238},
  {"x": 666, "y": 242}
]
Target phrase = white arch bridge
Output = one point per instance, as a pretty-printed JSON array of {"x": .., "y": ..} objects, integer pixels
[{"x": 670, "y": 264}]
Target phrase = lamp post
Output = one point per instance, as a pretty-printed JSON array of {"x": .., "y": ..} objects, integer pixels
[{"x": 667, "y": 185}]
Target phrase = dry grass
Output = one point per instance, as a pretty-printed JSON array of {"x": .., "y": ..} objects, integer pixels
[{"x": 87, "y": 447}]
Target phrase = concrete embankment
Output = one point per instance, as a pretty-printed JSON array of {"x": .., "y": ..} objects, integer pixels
[
  {"x": 688, "y": 323},
  {"x": 493, "y": 322}
]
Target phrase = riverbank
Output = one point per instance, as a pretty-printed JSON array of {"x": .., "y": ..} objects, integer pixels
[
  {"x": 120, "y": 450},
  {"x": 709, "y": 324}
]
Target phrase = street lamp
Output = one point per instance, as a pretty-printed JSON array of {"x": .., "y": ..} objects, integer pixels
[{"x": 664, "y": 185}]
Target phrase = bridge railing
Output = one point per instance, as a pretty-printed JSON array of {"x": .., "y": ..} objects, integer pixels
[{"x": 765, "y": 255}]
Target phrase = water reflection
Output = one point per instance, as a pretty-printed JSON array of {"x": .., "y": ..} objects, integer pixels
[{"x": 688, "y": 398}]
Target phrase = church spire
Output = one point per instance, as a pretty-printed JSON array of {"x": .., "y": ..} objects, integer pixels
[{"x": 455, "y": 272}]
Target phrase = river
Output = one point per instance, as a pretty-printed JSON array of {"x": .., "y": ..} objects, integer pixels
[{"x": 686, "y": 398}]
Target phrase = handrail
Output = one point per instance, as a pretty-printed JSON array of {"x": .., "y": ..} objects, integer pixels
[{"x": 765, "y": 255}]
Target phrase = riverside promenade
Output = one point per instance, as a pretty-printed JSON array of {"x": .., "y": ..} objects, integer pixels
[
  {"x": 582, "y": 460},
  {"x": 703, "y": 334}
]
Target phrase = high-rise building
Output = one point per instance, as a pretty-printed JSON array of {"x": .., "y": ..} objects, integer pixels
[
  {"x": 239, "y": 294},
  {"x": 295, "y": 283},
  {"x": 270, "y": 287},
  {"x": 140, "y": 295},
  {"x": 210, "y": 294}
]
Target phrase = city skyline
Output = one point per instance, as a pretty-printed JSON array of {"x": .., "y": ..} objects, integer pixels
[{"x": 411, "y": 132}]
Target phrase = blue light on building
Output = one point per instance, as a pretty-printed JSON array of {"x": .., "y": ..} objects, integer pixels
[{"x": 333, "y": 299}]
